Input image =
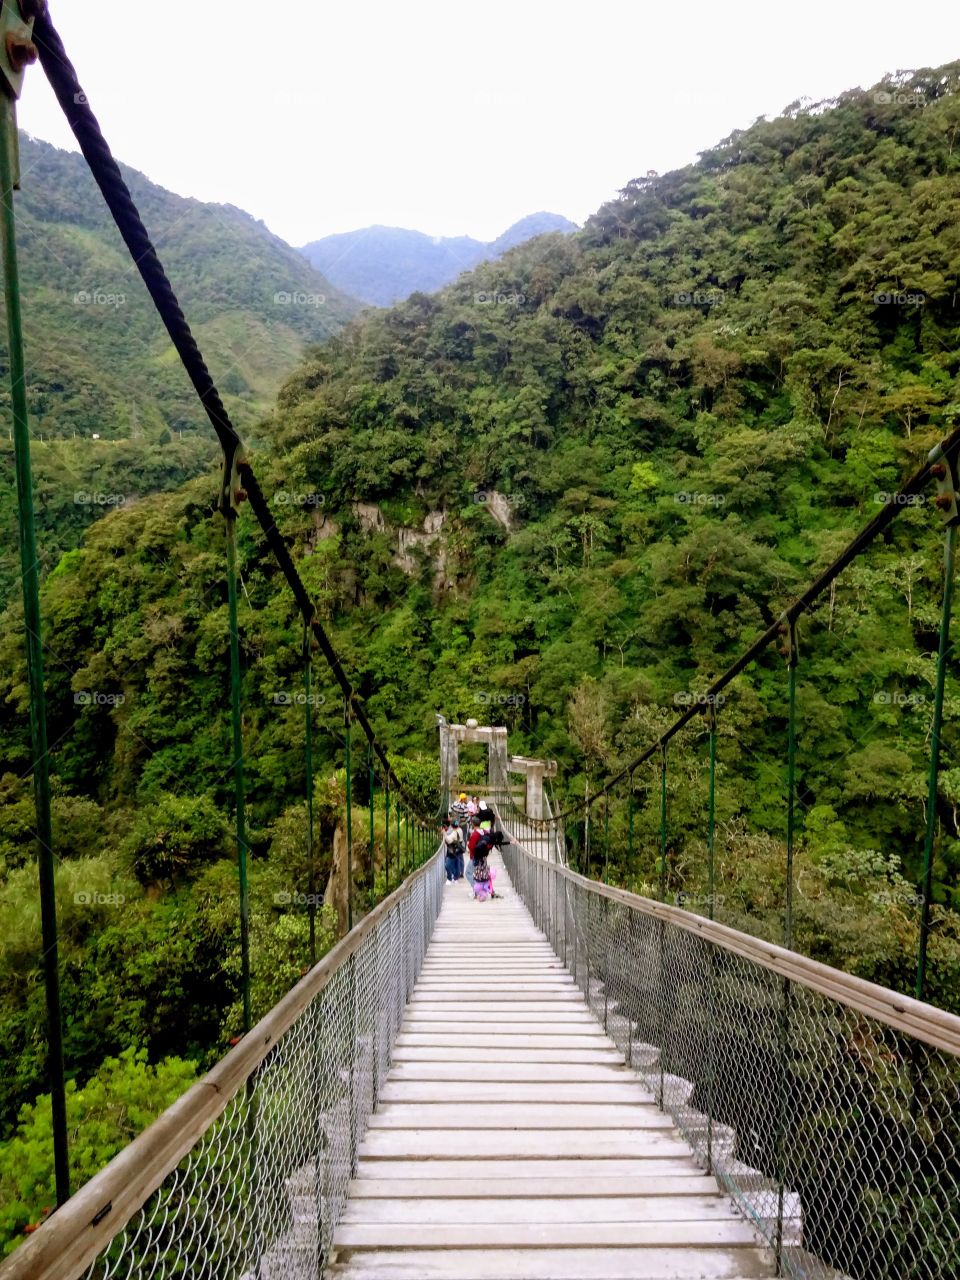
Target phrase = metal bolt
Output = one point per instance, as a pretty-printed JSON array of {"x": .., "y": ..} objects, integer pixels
[
  {"x": 938, "y": 470},
  {"x": 21, "y": 51},
  {"x": 784, "y": 651},
  {"x": 943, "y": 501},
  {"x": 240, "y": 495}
]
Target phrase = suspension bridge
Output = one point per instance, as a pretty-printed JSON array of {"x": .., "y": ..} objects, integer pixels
[{"x": 568, "y": 1081}]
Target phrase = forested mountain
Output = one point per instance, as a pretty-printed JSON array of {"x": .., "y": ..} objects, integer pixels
[
  {"x": 384, "y": 265},
  {"x": 99, "y": 359},
  {"x": 563, "y": 494}
]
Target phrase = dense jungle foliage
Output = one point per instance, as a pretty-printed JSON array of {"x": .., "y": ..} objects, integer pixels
[{"x": 562, "y": 494}]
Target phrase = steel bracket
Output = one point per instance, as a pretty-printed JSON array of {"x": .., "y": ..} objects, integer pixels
[
  {"x": 232, "y": 492},
  {"x": 789, "y": 649},
  {"x": 17, "y": 50},
  {"x": 943, "y": 468}
]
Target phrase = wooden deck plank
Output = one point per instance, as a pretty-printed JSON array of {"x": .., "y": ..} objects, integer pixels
[
  {"x": 556, "y": 1264},
  {"x": 471, "y": 1234},
  {"x": 528, "y": 1208},
  {"x": 581, "y": 1116},
  {"x": 526, "y": 1091},
  {"x": 505, "y": 1187}
]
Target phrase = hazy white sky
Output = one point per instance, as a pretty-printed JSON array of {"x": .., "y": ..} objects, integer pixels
[{"x": 450, "y": 117}]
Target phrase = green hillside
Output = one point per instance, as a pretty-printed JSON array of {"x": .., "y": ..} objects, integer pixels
[
  {"x": 562, "y": 494},
  {"x": 99, "y": 359}
]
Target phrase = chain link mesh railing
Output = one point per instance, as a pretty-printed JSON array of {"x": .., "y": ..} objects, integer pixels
[
  {"x": 261, "y": 1189},
  {"x": 827, "y": 1107}
]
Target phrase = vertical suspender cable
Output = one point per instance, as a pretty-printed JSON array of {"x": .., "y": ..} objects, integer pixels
[
  {"x": 386, "y": 832},
  {"x": 308, "y": 756},
  {"x": 372, "y": 791},
  {"x": 347, "y": 720},
  {"x": 30, "y": 583},
  {"x": 663, "y": 822},
  {"x": 792, "y": 656},
  {"x": 711, "y": 807},
  {"x": 934, "y": 768},
  {"x": 238, "y": 782}
]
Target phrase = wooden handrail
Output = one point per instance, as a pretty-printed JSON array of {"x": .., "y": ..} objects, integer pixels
[
  {"x": 67, "y": 1243},
  {"x": 935, "y": 1027}
]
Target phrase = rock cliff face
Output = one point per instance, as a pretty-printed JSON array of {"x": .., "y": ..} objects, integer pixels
[
  {"x": 428, "y": 538},
  {"x": 411, "y": 542}
]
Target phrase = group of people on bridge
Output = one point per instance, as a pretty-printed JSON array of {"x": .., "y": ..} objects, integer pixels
[{"x": 468, "y": 837}]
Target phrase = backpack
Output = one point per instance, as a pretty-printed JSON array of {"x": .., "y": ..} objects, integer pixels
[{"x": 484, "y": 845}]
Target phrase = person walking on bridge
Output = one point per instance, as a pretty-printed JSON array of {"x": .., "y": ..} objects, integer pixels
[
  {"x": 458, "y": 811},
  {"x": 473, "y": 840},
  {"x": 451, "y": 846}
]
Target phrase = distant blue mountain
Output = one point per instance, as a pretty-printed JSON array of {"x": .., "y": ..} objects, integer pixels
[{"x": 383, "y": 265}]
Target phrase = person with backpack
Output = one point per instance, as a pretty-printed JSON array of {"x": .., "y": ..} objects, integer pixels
[
  {"x": 460, "y": 849},
  {"x": 451, "y": 845},
  {"x": 485, "y": 815},
  {"x": 479, "y": 872}
]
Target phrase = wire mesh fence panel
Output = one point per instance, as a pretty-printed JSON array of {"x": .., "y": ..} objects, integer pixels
[
  {"x": 835, "y": 1132},
  {"x": 262, "y": 1190}
]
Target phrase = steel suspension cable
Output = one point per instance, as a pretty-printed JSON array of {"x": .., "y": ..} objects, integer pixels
[
  {"x": 65, "y": 83},
  {"x": 942, "y": 459}
]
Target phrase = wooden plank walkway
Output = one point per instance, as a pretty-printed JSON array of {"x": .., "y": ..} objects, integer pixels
[{"x": 511, "y": 1141}]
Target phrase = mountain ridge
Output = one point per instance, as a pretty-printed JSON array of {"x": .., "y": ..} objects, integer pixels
[{"x": 383, "y": 265}]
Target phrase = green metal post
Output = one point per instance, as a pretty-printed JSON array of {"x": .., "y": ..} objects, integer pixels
[
  {"x": 606, "y": 834},
  {"x": 347, "y": 722},
  {"x": 311, "y": 849},
  {"x": 30, "y": 584},
  {"x": 711, "y": 807},
  {"x": 944, "y": 646},
  {"x": 371, "y": 787},
  {"x": 386, "y": 831},
  {"x": 711, "y": 886},
  {"x": 663, "y": 822},
  {"x": 399, "y": 846},
  {"x": 791, "y": 779},
  {"x": 630, "y": 808},
  {"x": 238, "y": 783}
]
